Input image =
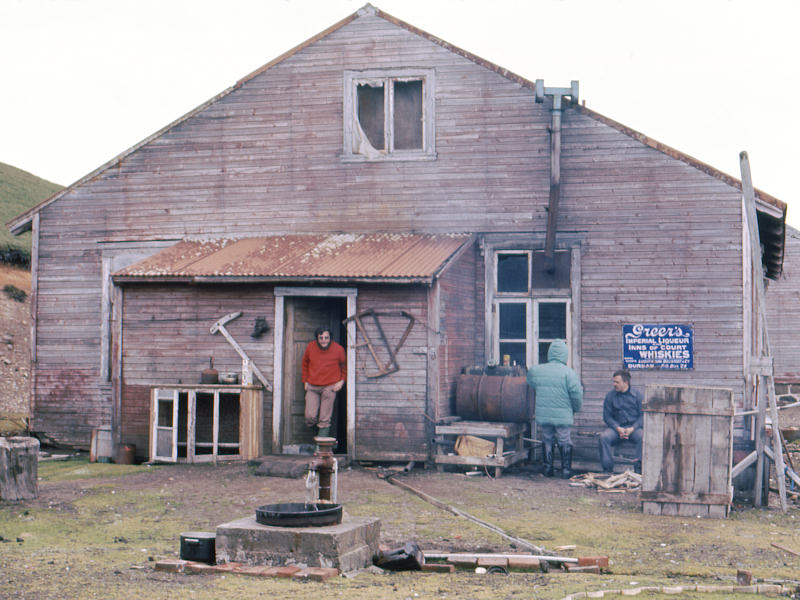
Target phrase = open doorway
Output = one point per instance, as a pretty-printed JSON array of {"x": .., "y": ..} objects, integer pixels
[{"x": 303, "y": 314}]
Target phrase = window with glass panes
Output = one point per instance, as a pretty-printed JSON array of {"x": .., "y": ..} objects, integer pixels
[{"x": 524, "y": 325}]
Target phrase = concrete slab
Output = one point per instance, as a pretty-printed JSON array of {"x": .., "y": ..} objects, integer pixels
[{"x": 347, "y": 546}]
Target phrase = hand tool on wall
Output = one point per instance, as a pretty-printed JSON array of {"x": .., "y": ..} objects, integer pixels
[{"x": 248, "y": 367}]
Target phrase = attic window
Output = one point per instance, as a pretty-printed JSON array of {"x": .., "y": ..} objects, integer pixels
[{"x": 388, "y": 115}]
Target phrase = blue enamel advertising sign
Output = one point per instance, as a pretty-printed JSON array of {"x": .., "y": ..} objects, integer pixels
[{"x": 649, "y": 346}]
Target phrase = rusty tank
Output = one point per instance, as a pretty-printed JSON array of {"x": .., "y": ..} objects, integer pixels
[{"x": 483, "y": 397}]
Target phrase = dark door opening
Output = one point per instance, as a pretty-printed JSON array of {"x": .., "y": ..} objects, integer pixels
[{"x": 303, "y": 315}]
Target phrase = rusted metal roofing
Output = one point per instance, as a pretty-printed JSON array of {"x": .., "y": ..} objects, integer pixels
[{"x": 400, "y": 257}]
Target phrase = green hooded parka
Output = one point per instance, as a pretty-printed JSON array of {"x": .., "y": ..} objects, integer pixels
[{"x": 559, "y": 393}]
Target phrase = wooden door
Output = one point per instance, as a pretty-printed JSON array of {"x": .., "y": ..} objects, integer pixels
[
  {"x": 303, "y": 316},
  {"x": 164, "y": 432}
]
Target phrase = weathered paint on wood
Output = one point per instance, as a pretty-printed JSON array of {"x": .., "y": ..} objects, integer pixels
[
  {"x": 19, "y": 468},
  {"x": 783, "y": 313},
  {"x": 661, "y": 239},
  {"x": 461, "y": 325},
  {"x": 167, "y": 341},
  {"x": 391, "y": 410},
  {"x": 687, "y": 450}
]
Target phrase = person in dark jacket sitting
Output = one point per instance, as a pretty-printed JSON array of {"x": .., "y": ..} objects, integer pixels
[
  {"x": 622, "y": 413},
  {"x": 559, "y": 395}
]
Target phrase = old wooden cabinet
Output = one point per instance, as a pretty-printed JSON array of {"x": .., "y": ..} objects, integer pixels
[{"x": 205, "y": 422}]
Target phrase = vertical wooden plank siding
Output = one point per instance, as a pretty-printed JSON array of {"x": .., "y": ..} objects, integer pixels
[
  {"x": 661, "y": 239},
  {"x": 461, "y": 324}
]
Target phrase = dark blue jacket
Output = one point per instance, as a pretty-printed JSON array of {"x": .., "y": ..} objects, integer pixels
[{"x": 623, "y": 409}]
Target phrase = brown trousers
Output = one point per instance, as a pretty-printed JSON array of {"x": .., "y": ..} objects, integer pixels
[{"x": 319, "y": 405}]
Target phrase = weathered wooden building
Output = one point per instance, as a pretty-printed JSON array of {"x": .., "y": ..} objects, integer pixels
[
  {"x": 376, "y": 167},
  {"x": 783, "y": 303}
]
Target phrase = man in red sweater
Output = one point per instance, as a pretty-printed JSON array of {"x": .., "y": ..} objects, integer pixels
[{"x": 324, "y": 374}]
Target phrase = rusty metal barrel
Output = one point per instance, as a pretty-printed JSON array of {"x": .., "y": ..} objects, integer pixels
[{"x": 494, "y": 398}]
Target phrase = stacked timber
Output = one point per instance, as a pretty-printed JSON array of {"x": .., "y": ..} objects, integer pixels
[{"x": 621, "y": 482}]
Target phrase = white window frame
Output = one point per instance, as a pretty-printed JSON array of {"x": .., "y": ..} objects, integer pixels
[
  {"x": 534, "y": 350},
  {"x": 533, "y": 298},
  {"x": 352, "y": 129},
  {"x": 527, "y": 292},
  {"x": 496, "y": 326}
]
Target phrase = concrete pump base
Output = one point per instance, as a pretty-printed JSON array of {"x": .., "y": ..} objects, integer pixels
[{"x": 347, "y": 546}]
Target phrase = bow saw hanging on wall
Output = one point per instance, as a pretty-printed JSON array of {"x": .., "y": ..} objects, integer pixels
[{"x": 390, "y": 366}]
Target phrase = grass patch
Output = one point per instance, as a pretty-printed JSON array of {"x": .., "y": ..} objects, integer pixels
[
  {"x": 15, "y": 293},
  {"x": 81, "y": 468},
  {"x": 19, "y": 191}
]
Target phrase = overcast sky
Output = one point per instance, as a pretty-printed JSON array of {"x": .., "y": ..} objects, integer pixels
[{"x": 83, "y": 80}]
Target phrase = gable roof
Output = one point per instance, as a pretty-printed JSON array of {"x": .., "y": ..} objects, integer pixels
[
  {"x": 765, "y": 202},
  {"x": 375, "y": 257}
]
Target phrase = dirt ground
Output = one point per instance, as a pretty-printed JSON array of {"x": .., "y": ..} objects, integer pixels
[{"x": 96, "y": 530}]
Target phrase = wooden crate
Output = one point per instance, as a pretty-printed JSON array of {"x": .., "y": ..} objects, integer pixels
[{"x": 687, "y": 451}]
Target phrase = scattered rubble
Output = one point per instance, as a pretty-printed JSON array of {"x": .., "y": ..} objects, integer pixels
[
  {"x": 768, "y": 589},
  {"x": 201, "y": 568}
]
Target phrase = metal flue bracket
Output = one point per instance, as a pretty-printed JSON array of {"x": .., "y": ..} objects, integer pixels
[
  {"x": 557, "y": 92},
  {"x": 248, "y": 367}
]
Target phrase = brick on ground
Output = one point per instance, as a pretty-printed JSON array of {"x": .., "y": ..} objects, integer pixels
[
  {"x": 316, "y": 573},
  {"x": 198, "y": 568},
  {"x": 285, "y": 571},
  {"x": 170, "y": 566},
  {"x": 585, "y": 561}
]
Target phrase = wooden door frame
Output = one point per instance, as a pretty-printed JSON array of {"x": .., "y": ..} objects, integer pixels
[{"x": 279, "y": 341}]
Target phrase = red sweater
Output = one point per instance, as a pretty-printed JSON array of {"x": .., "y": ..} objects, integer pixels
[{"x": 324, "y": 367}]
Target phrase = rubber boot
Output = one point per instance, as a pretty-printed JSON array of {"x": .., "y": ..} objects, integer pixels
[
  {"x": 566, "y": 461},
  {"x": 324, "y": 432},
  {"x": 548, "y": 459}
]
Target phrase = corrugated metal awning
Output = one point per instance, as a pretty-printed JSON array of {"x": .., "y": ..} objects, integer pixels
[{"x": 386, "y": 257}]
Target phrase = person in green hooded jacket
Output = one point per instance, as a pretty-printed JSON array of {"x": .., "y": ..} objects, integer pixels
[{"x": 559, "y": 395}]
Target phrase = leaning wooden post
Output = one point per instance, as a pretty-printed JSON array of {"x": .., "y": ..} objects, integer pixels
[
  {"x": 765, "y": 376},
  {"x": 19, "y": 468}
]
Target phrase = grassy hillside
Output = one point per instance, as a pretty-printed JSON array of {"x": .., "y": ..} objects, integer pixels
[{"x": 19, "y": 191}]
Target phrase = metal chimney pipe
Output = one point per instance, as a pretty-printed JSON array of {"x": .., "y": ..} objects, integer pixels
[{"x": 555, "y": 161}]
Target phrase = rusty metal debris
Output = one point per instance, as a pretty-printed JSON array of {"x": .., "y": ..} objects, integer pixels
[
  {"x": 622, "y": 482},
  {"x": 407, "y": 558}
]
